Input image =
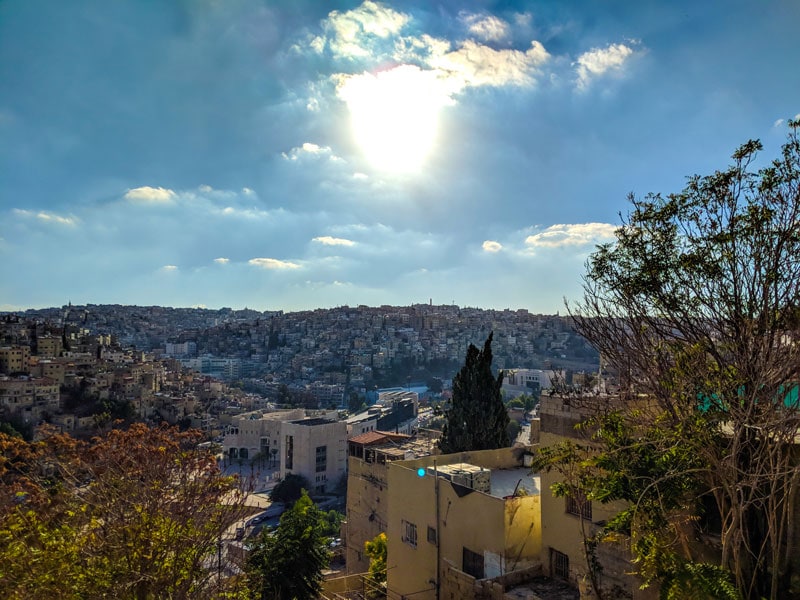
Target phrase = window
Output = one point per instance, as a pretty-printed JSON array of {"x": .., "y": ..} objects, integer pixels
[
  {"x": 409, "y": 533},
  {"x": 322, "y": 458},
  {"x": 578, "y": 505},
  {"x": 472, "y": 563},
  {"x": 289, "y": 451},
  {"x": 559, "y": 564},
  {"x": 431, "y": 534}
]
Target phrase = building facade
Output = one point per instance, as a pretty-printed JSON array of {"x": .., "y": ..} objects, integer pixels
[{"x": 456, "y": 519}]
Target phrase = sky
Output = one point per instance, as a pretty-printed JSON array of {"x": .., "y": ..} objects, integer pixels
[{"x": 291, "y": 155}]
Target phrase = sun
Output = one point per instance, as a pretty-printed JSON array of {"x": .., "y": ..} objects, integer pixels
[{"x": 394, "y": 115}]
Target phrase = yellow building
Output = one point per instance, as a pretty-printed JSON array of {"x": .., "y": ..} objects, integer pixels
[
  {"x": 566, "y": 520},
  {"x": 458, "y": 518},
  {"x": 14, "y": 359},
  {"x": 369, "y": 455},
  {"x": 49, "y": 345}
]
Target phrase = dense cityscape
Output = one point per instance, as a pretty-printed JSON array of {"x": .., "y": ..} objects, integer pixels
[{"x": 380, "y": 300}]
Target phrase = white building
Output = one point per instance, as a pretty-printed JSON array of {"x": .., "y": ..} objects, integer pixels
[{"x": 526, "y": 381}]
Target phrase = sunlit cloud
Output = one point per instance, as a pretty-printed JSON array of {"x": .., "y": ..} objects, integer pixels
[
  {"x": 350, "y": 34},
  {"x": 47, "y": 217},
  {"x": 492, "y": 246},
  {"x": 309, "y": 150},
  {"x": 273, "y": 264},
  {"x": 578, "y": 234},
  {"x": 487, "y": 27},
  {"x": 222, "y": 261},
  {"x": 598, "y": 61},
  {"x": 150, "y": 194},
  {"x": 478, "y": 65},
  {"x": 333, "y": 241},
  {"x": 169, "y": 268}
]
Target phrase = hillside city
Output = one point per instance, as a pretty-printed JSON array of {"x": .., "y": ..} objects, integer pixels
[{"x": 252, "y": 381}]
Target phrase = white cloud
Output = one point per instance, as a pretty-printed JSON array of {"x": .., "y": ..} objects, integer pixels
[
  {"x": 778, "y": 123},
  {"x": 599, "y": 61},
  {"x": 577, "y": 234},
  {"x": 309, "y": 150},
  {"x": 523, "y": 19},
  {"x": 333, "y": 241},
  {"x": 48, "y": 217},
  {"x": 150, "y": 194},
  {"x": 487, "y": 27},
  {"x": 492, "y": 246},
  {"x": 476, "y": 65},
  {"x": 169, "y": 268},
  {"x": 248, "y": 192},
  {"x": 222, "y": 260},
  {"x": 350, "y": 34},
  {"x": 273, "y": 263}
]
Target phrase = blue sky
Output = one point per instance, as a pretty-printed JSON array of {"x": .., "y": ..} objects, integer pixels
[{"x": 303, "y": 154}]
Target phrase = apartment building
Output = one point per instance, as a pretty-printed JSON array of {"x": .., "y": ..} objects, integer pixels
[
  {"x": 367, "y": 487},
  {"x": 29, "y": 397},
  {"x": 14, "y": 359},
  {"x": 565, "y": 519},
  {"x": 460, "y": 519}
]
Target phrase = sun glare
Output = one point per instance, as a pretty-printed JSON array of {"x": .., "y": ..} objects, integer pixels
[{"x": 394, "y": 115}]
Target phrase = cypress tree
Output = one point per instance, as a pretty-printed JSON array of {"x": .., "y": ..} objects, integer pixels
[{"x": 477, "y": 418}]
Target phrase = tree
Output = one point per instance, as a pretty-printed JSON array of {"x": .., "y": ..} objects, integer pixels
[
  {"x": 287, "y": 564},
  {"x": 697, "y": 305},
  {"x": 289, "y": 489},
  {"x": 135, "y": 513},
  {"x": 477, "y": 418},
  {"x": 376, "y": 549}
]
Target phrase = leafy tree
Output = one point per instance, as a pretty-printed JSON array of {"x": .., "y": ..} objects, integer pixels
[
  {"x": 331, "y": 523},
  {"x": 513, "y": 430},
  {"x": 289, "y": 489},
  {"x": 287, "y": 564},
  {"x": 136, "y": 513},
  {"x": 696, "y": 306},
  {"x": 477, "y": 418},
  {"x": 376, "y": 549},
  {"x": 355, "y": 403}
]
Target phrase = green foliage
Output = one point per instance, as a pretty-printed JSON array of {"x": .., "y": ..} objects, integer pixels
[
  {"x": 477, "y": 418},
  {"x": 331, "y": 522},
  {"x": 355, "y": 403},
  {"x": 289, "y": 489},
  {"x": 287, "y": 564},
  {"x": 695, "y": 307},
  {"x": 654, "y": 472},
  {"x": 376, "y": 549}
]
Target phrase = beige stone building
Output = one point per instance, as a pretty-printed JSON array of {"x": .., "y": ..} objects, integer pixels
[
  {"x": 29, "y": 398},
  {"x": 14, "y": 359},
  {"x": 258, "y": 432},
  {"x": 316, "y": 449}
]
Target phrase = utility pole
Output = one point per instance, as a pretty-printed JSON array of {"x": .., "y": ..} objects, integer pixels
[{"x": 438, "y": 530}]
